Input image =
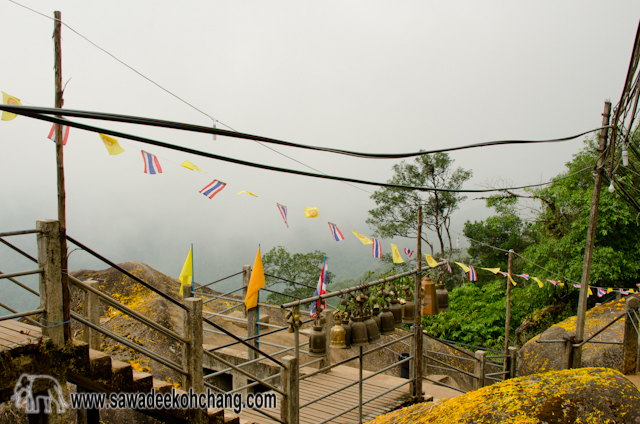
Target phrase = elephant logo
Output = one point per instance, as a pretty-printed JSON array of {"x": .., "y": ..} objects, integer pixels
[{"x": 23, "y": 395}]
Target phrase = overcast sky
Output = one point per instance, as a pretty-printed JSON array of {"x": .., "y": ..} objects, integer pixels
[{"x": 374, "y": 76}]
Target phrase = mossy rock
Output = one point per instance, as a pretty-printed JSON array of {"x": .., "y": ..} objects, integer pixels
[{"x": 584, "y": 395}]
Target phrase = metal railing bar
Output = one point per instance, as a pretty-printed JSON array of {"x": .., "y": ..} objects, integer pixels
[
  {"x": 450, "y": 355},
  {"x": 268, "y": 415},
  {"x": 229, "y": 309},
  {"x": 344, "y": 361},
  {"x": 493, "y": 378},
  {"x": 280, "y": 352},
  {"x": 599, "y": 331},
  {"x": 240, "y": 370},
  {"x": 18, "y": 233},
  {"x": 211, "y": 386},
  {"x": 23, "y": 286},
  {"x": 214, "y": 331},
  {"x": 282, "y": 294},
  {"x": 125, "y": 272},
  {"x": 255, "y": 383},
  {"x": 231, "y": 299},
  {"x": 451, "y": 367},
  {"x": 25, "y": 254},
  {"x": 217, "y": 281},
  {"x": 497, "y": 356},
  {"x": 114, "y": 303},
  {"x": 470, "y": 345},
  {"x": 229, "y": 317},
  {"x": 551, "y": 341},
  {"x": 439, "y": 383},
  {"x": 445, "y": 342},
  {"x": 241, "y": 341},
  {"x": 605, "y": 342},
  {"x": 34, "y": 322},
  {"x": 310, "y": 362},
  {"x": 245, "y": 338},
  {"x": 348, "y": 290},
  {"x": 166, "y": 362},
  {"x": 386, "y": 344},
  {"x": 289, "y": 281},
  {"x": 19, "y": 273},
  {"x": 497, "y": 373},
  {"x": 21, "y": 314},
  {"x": 632, "y": 322}
]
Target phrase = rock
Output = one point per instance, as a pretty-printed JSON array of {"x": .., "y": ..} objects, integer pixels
[{"x": 586, "y": 395}]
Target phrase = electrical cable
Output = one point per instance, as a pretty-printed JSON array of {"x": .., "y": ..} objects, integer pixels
[{"x": 61, "y": 121}]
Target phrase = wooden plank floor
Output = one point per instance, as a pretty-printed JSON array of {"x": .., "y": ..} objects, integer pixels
[
  {"x": 14, "y": 334},
  {"x": 319, "y": 384}
]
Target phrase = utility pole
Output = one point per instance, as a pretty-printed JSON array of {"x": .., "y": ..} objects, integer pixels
[
  {"x": 507, "y": 324},
  {"x": 591, "y": 235},
  {"x": 62, "y": 216},
  {"x": 417, "y": 327}
]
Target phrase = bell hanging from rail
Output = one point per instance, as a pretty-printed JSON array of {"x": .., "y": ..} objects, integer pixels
[
  {"x": 376, "y": 316},
  {"x": 359, "y": 335},
  {"x": 347, "y": 330},
  {"x": 396, "y": 310},
  {"x": 338, "y": 337},
  {"x": 317, "y": 342},
  {"x": 388, "y": 323},
  {"x": 443, "y": 297},
  {"x": 373, "y": 334},
  {"x": 409, "y": 312}
]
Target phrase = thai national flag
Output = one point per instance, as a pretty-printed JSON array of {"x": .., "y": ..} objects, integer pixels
[
  {"x": 504, "y": 274},
  {"x": 525, "y": 276},
  {"x": 555, "y": 283},
  {"x": 623, "y": 291},
  {"x": 65, "y": 134},
  {"x": 577, "y": 286},
  {"x": 377, "y": 248},
  {"x": 448, "y": 266},
  {"x": 151, "y": 164},
  {"x": 321, "y": 288},
  {"x": 601, "y": 292},
  {"x": 335, "y": 232},
  {"x": 213, "y": 188},
  {"x": 408, "y": 251},
  {"x": 472, "y": 274},
  {"x": 283, "y": 212}
]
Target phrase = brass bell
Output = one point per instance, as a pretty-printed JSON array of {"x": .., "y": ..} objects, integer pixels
[
  {"x": 338, "y": 337},
  {"x": 359, "y": 335},
  {"x": 429, "y": 302},
  {"x": 372, "y": 330},
  {"x": 387, "y": 321},
  {"x": 409, "y": 312},
  {"x": 347, "y": 330},
  {"x": 443, "y": 297},
  {"x": 396, "y": 310},
  {"x": 376, "y": 317},
  {"x": 317, "y": 342}
]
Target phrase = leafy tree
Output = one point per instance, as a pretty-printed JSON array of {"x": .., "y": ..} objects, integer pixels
[
  {"x": 397, "y": 209},
  {"x": 300, "y": 267}
]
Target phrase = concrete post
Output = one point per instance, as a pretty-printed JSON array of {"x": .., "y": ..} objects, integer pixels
[
  {"x": 630, "y": 342},
  {"x": 49, "y": 259},
  {"x": 513, "y": 357},
  {"x": 290, "y": 405},
  {"x": 567, "y": 354},
  {"x": 328, "y": 320},
  {"x": 91, "y": 311},
  {"x": 192, "y": 355},
  {"x": 479, "y": 369},
  {"x": 246, "y": 276},
  {"x": 186, "y": 292},
  {"x": 417, "y": 360}
]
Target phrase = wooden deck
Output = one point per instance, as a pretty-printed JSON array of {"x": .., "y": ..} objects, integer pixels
[
  {"x": 320, "y": 384},
  {"x": 14, "y": 334}
]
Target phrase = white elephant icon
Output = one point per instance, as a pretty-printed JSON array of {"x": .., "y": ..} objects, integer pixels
[{"x": 23, "y": 395}]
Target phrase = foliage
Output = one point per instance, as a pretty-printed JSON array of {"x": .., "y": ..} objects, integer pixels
[
  {"x": 300, "y": 267},
  {"x": 397, "y": 209}
]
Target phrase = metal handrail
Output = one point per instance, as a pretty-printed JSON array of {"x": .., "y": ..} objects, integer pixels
[
  {"x": 125, "y": 272},
  {"x": 451, "y": 367},
  {"x": 497, "y": 373},
  {"x": 310, "y": 362},
  {"x": 255, "y": 383},
  {"x": 25, "y": 254},
  {"x": 497, "y": 356},
  {"x": 439, "y": 383},
  {"x": 240, "y": 370},
  {"x": 280, "y": 352},
  {"x": 19, "y": 273},
  {"x": 289, "y": 281},
  {"x": 22, "y": 285},
  {"x": 114, "y": 303},
  {"x": 217, "y": 281},
  {"x": 470, "y": 345},
  {"x": 450, "y": 355},
  {"x": 19, "y": 232},
  {"x": 16, "y": 312},
  {"x": 166, "y": 362},
  {"x": 446, "y": 342},
  {"x": 22, "y": 314},
  {"x": 600, "y": 331},
  {"x": 258, "y": 335},
  {"x": 282, "y": 294},
  {"x": 232, "y": 318}
]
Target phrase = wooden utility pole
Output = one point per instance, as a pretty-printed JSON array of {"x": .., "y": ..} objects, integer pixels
[
  {"x": 62, "y": 215},
  {"x": 507, "y": 324},
  {"x": 417, "y": 327},
  {"x": 591, "y": 236}
]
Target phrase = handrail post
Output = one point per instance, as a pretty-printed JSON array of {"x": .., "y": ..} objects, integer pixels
[
  {"x": 187, "y": 292},
  {"x": 417, "y": 360},
  {"x": 326, "y": 359},
  {"x": 49, "y": 259},
  {"x": 513, "y": 356},
  {"x": 479, "y": 369},
  {"x": 91, "y": 311},
  {"x": 192, "y": 355},
  {"x": 246, "y": 276},
  {"x": 630, "y": 341},
  {"x": 290, "y": 405},
  {"x": 567, "y": 354}
]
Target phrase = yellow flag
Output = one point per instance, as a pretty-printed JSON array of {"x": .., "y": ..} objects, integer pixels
[
  {"x": 311, "y": 212},
  {"x": 511, "y": 279},
  {"x": 111, "y": 144},
  {"x": 494, "y": 270},
  {"x": 248, "y": 192},
  {"x": 433, "y": 263},
  {"x": 560, "y": 283},
  {"x": 9, "y": 100},
  {"x": 397, "y": 259},
  {"x": 187, "y": 271},
  {"x": 191, "y": 166},
  {"x": 464, "y": 267},
  {"x": 537, "y": 280},
  {"x": 632, "y": 290},
  {"x": 590, "y": 292},
  {"x": 609, "y": 290},
  {"x": 255, "y": 283},
  {"x": 364, "y": 239}
]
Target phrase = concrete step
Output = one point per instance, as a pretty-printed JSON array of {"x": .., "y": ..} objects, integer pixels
[
  {"x": 121, "y": 376},
  {"x": 100, "y": 367},
  {"x": 142, "y": 381}
]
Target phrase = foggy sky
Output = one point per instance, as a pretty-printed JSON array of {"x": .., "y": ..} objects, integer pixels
[{"x": 370, "y": 76}]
